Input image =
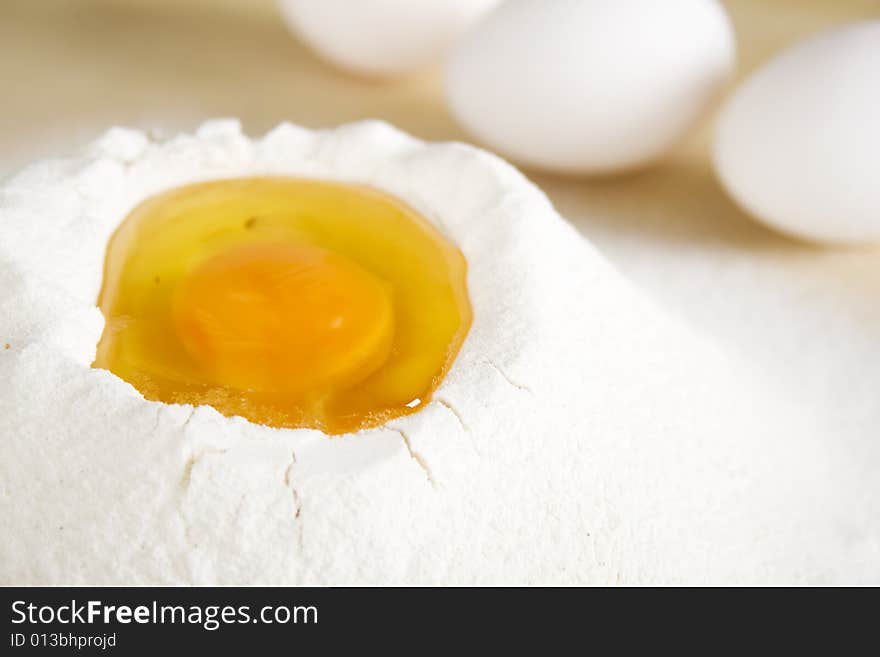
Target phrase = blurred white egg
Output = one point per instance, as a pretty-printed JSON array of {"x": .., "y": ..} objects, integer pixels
[
  {"x": 381, "y": 37},
  {"x": 590, "y": 85},
  {"x": 798, "y": 144}
]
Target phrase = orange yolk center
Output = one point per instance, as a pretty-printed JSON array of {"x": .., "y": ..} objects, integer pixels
[{"x": 284, "y": 318}]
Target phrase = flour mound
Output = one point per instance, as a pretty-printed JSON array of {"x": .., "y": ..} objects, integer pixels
[{"x": 582, "y": 436}]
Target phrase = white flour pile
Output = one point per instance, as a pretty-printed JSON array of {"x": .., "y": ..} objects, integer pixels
[{"x": 580, "y": 437}]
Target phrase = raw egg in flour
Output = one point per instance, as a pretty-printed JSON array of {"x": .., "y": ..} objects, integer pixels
[{"x": 293, "y": 303}]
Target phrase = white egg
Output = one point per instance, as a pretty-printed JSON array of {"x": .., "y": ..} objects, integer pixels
[
  {"x": 798, "y": 145},
  {"x": 590, "y": 85},
  {"x": 381, "y": 37}
]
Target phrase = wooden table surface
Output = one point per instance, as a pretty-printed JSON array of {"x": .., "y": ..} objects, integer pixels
[{"x": 807, "y": 316}]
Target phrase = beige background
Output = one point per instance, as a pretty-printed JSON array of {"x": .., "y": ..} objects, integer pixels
[{"x": 809, "y": 317}]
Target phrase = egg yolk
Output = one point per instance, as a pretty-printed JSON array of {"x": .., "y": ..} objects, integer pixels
[
  {"x": 292, "y": 303},
  {"x": 286, "y": 318}
]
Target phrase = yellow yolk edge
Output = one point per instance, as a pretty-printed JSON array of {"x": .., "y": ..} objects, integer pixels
[{"x": 292, "y": 303}]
